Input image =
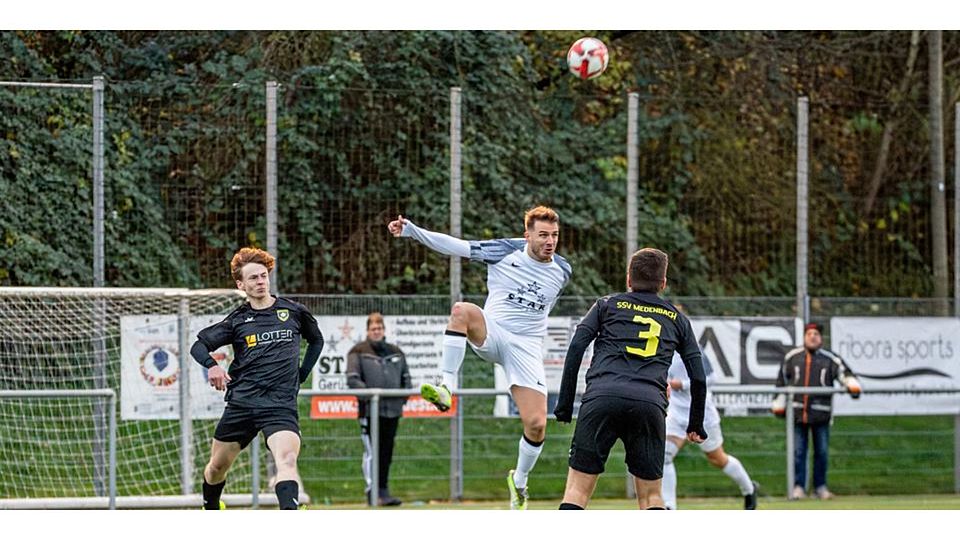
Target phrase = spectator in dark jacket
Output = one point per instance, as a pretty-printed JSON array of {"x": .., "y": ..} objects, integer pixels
[
  {"x": 374, "y": 363},
  {"x": 812, "y": 366}
]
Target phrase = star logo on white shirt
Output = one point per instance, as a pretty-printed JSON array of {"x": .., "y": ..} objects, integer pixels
[{"x": 533, "y": 287}]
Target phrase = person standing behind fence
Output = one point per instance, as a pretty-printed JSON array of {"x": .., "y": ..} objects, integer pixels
[
  {"x": 812, "y": 366},
  {"x": 374, "y": 363}
]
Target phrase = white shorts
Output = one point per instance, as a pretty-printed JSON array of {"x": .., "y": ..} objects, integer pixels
[
  {"x": 520, "y": 356},
  {"x": 677, "y": 427}
]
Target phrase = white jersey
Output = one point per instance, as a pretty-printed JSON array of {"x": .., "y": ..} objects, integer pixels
[
  {"x": 679, "y": 407},
  {"x": 521, "y": 291}
]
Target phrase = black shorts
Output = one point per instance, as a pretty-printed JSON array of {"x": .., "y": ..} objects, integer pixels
[
  {"x": 641, "y": 426},
  {"x": 240, "y": 425}
]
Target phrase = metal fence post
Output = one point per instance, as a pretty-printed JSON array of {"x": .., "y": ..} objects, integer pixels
[
  {"x": 100, "y": 381},
  {"x": 375, "y": 450},
  {"x": 633, "y": 173},
  {"x": 956, "y": 276},
  {"x": 456, "y": 222},
  {"x": 456, "y": 188},
  {"x": 271, "y": 175},
  {"x": 113, "y": 451},
  {"x": 100, "y": 369},
  {"x": 956, "y": 454},
  {"x": 791, "y": 443},
  {"x": 803, "y": 124},
  {"x": 633, "y": 178},
  {"x": 98, "y": 262},
  {"x": 255, "y": 473},
  {"x": 956, "y": 214},
  {"x": 271, "y": 211},
  {"x": 186, "y": 418}
]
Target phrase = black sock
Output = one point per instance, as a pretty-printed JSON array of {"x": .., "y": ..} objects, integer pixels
[
  {"x": 211, "y": 495},
  {"x": 531, "y": 443},
  {"x": 570, "y": 506},
  {"x": 287, "y": 492}
]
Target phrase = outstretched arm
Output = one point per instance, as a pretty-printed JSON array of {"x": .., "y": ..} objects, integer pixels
[{"x": 439, "y": 242}]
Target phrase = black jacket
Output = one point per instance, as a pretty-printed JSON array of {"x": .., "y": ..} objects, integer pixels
[
  {"x": 378, "y": 365},
  {"x": 817, "y": 369}
]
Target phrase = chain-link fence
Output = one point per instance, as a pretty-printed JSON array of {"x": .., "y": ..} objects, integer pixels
[{"x": 185, "y": 186}]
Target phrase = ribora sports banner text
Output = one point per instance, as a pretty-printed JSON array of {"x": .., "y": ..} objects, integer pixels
[{"x": 899, "y": 353}]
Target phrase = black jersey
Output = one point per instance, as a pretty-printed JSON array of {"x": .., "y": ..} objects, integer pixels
[
  {"x": 266, "y": 352},
  {"x": 635, "y": 335}
]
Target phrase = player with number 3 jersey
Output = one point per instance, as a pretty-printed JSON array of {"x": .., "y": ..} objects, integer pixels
[{"x": 635, "y": 335}]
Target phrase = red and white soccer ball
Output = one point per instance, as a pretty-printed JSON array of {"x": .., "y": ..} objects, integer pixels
[{"x": 587, "y": 58}]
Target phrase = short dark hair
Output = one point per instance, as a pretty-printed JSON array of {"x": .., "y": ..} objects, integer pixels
[{"x": 648, "y": 268}]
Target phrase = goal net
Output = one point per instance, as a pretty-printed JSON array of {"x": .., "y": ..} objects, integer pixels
[{"x": 54, "y": 440}]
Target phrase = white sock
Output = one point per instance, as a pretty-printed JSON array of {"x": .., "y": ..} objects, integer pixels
[
  {"x": 734, "y": 469},
  {"x": 454, "y": 347},
  {"x": 668, "y": 486},
  {"x": 526, "y": 459}
]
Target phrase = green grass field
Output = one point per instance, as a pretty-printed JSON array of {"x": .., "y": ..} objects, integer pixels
[
  {"x": 876, "y": 456},
  {"x": 881, "y": 456},
  {"x": 906, "y": 502},
  {"x": 868, "y": 456}
]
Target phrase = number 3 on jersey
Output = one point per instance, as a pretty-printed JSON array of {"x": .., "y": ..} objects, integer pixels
[{"x": 652, "y": 335}]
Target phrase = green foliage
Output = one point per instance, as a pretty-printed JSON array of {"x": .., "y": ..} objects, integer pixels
[{"x": 363, "y": 128}]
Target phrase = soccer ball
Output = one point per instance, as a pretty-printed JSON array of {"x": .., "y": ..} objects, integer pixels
[{"x": 587, "y": 58}]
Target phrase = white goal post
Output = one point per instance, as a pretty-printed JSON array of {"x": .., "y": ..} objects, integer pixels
[{"x": 96, "y": 405}]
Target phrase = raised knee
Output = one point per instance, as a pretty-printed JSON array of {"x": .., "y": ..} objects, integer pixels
[{"x": 459, "y": 312}]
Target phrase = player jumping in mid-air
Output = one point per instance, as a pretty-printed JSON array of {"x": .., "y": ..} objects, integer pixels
[
  {"x": 524, "y": 280},
  {"x": 263, "y": 380},
  {"x": 677, "y": 414}
]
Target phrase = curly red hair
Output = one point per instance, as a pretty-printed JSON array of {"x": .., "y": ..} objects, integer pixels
[{"x": 250, "y": 255}]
